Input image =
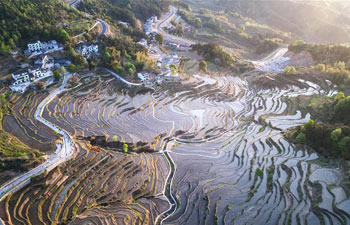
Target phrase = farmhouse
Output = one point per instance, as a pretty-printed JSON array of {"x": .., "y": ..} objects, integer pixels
[
  {"x": 42, "y": 46},
  {"x": 20, "y": 77},
  {"x": 88, "y": 49}
]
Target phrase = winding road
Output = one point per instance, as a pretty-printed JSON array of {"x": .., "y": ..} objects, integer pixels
[
  {"x": 63, "y": 152},
  {"x": 162, "y": 23},
  {"x": 102, "y": 23}
]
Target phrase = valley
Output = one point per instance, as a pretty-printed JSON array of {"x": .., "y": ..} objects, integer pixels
[{"x": 177, "y": 127}]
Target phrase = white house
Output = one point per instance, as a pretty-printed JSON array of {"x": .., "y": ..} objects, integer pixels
[
  {"x": 143, "y": 42},
  {"x": 43, "y": 46},
  {"x": 35, "y": 47},
  {"x": 143, "y": 76},
  {"x": 86, "y": 50},
  {"x": 20, "y": 77},
  {"x": 124, "y": 23}
]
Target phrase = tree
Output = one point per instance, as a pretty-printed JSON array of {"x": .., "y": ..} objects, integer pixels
[
  {"x": 320, "y": 67},
  {"x": 203, "y": 66},
  {"x": 198, "y": 22},
  {"x": 125, "y": 148},
  {"x": 63, "y": 36},
  {"x": 41, "y": 85},
  {"x": 309, "y": 126},
  {"x": 301, "y": 138},
  {"x": 340, "y": 95},
  {"x": 2, "y": 99},
  {"x": 297, "y": 46},
  {"x": 56, "y": 75},
  {"x": 180, "y": 29},
  {"x": 342, "y": 110},
  {"x": 344, "y": 144},
  {"x": 336, "y": 134},
  {"x": 159, "y": 38},
  {"x": 79, "y": 60},
  {"x": 91, "y": 64},
  {"x": 289, "y": 70},
  {"x": 129, "y": 67},
  {"x": 72, "y": 68},
  {"x": 173, "y": 69},
  {"x": 63, "y": 70}
]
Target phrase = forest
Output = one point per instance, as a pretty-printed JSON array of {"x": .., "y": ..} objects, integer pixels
[
  {"x": 329, "y": 132},
  {"x": 26, "y": 20},
  {"x": 214, "y": 53}
]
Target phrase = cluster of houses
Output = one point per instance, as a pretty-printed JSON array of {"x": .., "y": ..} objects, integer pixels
[
  {"x": 42, "y": 67},
  {"x": 143, "y": 42},
  {"x": 87, "y": 49},
  {"x": 148, "y": 25},
  {"x": 39, "y": 47},
  {"x": 44, "y": 64}
]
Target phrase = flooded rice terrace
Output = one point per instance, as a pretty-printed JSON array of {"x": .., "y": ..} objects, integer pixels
[{"x": 227, "y": 160}]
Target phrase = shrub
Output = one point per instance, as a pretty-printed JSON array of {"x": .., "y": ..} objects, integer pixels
[
  {"x": 125, "y": 148},
  {"x": 203, "y": 66},
  {"x": 297, "y": 46},
  {"x": 339, "y": 96},
  {"x": 336, "y": 134},
  {"x": 72, "y": 68},
  {"x": 344, "y": 145},
  {"x": 56, "y": 75},
  {"x": 320, "y": 67},
  {"x": 301, "y": 138},
  {"x": 289, "y": 70},
  {"x": 342, "y": 110}
]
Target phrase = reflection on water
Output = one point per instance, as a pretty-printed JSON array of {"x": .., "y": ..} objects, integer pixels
[{"x": 233, "y": 165}]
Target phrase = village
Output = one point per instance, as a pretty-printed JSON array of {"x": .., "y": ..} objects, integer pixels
[{"x": 44, "y": 63}]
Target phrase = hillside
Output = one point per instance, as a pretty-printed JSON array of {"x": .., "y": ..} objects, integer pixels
[
  {"x": 129, "y": 11},
  {"x": 315, "y": 21},
  {"x": 24, "y": 20}
]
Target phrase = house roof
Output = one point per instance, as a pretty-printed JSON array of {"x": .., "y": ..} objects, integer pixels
[{"x": 19, "y": 72}]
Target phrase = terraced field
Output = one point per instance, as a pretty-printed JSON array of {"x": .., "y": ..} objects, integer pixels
[
  {"x": 221, "y": 159},
  {"x": 21, "y": 122}
]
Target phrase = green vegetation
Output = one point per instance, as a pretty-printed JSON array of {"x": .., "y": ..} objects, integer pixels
[
  {"x": 125, "y": 148},
  {"x": 173, "y": 69},
  {"x": 11, "y": 148},
  {"x": 124, "y": 56},
  {"x": 214, "y": 53},
  {"x": 333, "y": 60},
  {"x": 56, "y": 75},
  {"x": 268, "y": 45},
  {"x": 41, "y": 85},
  {"x": 203, "y": 66},
  {"x": 72, "y": 68},
  {"x": 127, "y": 11},
  {"x": 159, "y": 38},
  {"x": 330, "y": 136},
  {"x": 322, "y": 53},
  {"x": 289, "y": 70},
  {"x": 25, "y": 20}
]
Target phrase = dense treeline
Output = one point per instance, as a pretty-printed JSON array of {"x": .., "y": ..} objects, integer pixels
[
  {"x": 214, "y": 53},
  {"x": 332, "y": 136},
  {"x": 126, "y": 10},
  {"x": 124, "y": 56},
  {"x": 24, "y": 20},
  {"x": 323, "y": 53},
  {"x": 330, "y": 59}
]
